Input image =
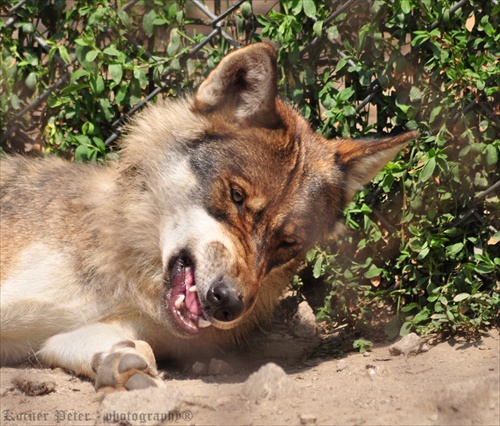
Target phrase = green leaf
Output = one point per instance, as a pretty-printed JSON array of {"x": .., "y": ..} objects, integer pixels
[
  {"x": 434, "y": 113},
  {"x": 71, "y": 88},
  {"x": 28, "y": 28},
  {"x": 422, "y": 316},
  {"x": 31, "y": 80},
  {"x": 432, "y": 298},
  {"x": 140, "y": 75},
  {"x": 450, "y": 316},
  {"x": 246, "y": 10},
  {"x": 428, "y": 169},
  {"x": 341, "y": 64},
  {"x": 91, "y": 55},
  {"x": 421, "y": 37},
  {"x": 415, "y": 94},
  {"x": 63, "y": 53},
  {"x": 318, "y": 28},
  {"x": 406, "y": 328},
  {"x": 175, "y": 42},
  {"x": 345, "y": 94},
  {"x": 97, "y": 84},
  {"x": 106, "y": 109},
  {"x": 423, "y": 253},
  {"x": 392, "y": 328},
  {"x": 81, "y": 42},
  {"x": 362, "y": 345},
  {"x": 172, "y": 11},
  {"x": 483, "y": 268},
  {"x": 88, "y": 128},
  {"x": 309, "y": 8},
  {"x": 296, "y": 6},
  {"x": 14, "y": 101},
  {"x": 121, "y": 94},
  {"x": 461, "y": 297},
  {"x": 405, "y": 6},
  {"x": 116, "y": 72},
  {"x": 124, "y": 18},
  {"x": 310, "y": 255},
  {"x": 98, "y": 142},
  {"x": 332, "y": 32},
  {"x": 111, "y": 51},
  {"x": 317, "y": 267},
  {"x": 491, "y": 155},
  {"x": 410, "y": 307},
  {"x": 148, "y": 22},
  {"x": 454, "y": 249},
  {"x": 373, "y": 272},
  {"x": 82, "y": 153}
]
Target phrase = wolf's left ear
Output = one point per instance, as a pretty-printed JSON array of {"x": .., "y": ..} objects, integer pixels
[
  {"x": 243, "y": 86},
  {"x": 361, "y": 160}
]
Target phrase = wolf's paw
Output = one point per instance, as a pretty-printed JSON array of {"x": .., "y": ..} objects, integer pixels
[{"x": 129, "y": 366}]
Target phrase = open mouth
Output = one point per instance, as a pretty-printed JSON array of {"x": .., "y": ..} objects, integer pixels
[{"x": 182, "y": 296}]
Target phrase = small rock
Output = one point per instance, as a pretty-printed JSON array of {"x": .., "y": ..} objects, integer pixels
[
  {"x": 224, "y": 401},
  {"x": 307, "y": 419},
  {"x": 218, "y": 367},
  {"x": 376, "y": 371},
  {"x": 151, "y": 406},
  {"x": 341, "y": 365},
  {"x": 409, "y": 344},
  {"x": 303, "y": 323},
  {"x": 199, "y": 368},
  {"x": 269, "y": 382},
  {"x": 32, "y": 387}
]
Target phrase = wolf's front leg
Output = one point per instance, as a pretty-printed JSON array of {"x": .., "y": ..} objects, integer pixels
[{"x": 109, "y": 353}]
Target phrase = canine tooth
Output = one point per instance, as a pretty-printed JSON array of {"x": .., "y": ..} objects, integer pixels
[
  {"x": 193, "y": 289},
  {"x": 203, "y": 323},
  {"x": 179, "y": 302}
]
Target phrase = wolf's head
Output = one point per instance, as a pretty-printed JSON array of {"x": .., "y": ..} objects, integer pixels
[{"x": 242, "y": 189}]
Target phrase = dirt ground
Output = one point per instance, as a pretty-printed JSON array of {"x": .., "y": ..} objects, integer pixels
[{"x": 454, "y": 382}]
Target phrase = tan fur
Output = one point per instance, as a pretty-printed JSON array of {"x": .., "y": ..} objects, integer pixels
[{"x": 230, "y": 187}]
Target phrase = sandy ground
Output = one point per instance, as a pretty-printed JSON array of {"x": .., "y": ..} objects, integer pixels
[{"x": 454, "y": 382}]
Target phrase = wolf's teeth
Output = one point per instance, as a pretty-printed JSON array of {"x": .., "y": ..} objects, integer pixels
[
  {"x": 203, "y": 323},
  {"x": 193, "y": 289},
  {"x": 179, "y": 302}
]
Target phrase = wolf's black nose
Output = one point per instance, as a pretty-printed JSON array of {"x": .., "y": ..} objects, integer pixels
[{"x": 225, "y": 303}]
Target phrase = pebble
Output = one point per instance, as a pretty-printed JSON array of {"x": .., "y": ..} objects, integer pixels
[
  {"x": 303, "y": 323},
  {"x": 341, "y": 365},
  {"x": 199, "y": 368},
  {"x": 218, "y": 367},
  {"x": 409, "y": 344},
  {"x": 308, "y": 419},
  {"x": 268, "y": 383}
]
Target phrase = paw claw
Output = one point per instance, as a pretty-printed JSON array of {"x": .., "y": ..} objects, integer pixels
[
  {"x": 140, "y": 381},
  {"x": 131, "y": 362},
  {"x": 129, "y": 366}
]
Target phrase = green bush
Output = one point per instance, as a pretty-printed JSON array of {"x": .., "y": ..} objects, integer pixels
[{"x": 424, "y": 236}]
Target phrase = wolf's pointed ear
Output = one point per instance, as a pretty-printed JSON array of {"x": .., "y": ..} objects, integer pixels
[
  {"x": 243, "y": 86},
  {"x": 361, "y": 160}
]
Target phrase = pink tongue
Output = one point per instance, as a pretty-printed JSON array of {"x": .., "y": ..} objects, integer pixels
[{"x": 192, "y": 301}]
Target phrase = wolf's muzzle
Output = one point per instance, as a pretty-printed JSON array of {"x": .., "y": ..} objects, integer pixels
[{"x": 225, "y": 304}]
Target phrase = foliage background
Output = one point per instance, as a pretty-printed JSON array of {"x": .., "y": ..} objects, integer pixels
[{"x": 423, "y": 237}]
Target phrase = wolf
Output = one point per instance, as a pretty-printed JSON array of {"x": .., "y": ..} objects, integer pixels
[{"x": 184, "y": 243}]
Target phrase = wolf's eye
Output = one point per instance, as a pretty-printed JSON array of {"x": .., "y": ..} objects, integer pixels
[
  {"x": 237, "y": 196},
  {"x": 287, "y": 249},
  {"x": 289, "y": 241},
  {"x": 289, "y": 246}
]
